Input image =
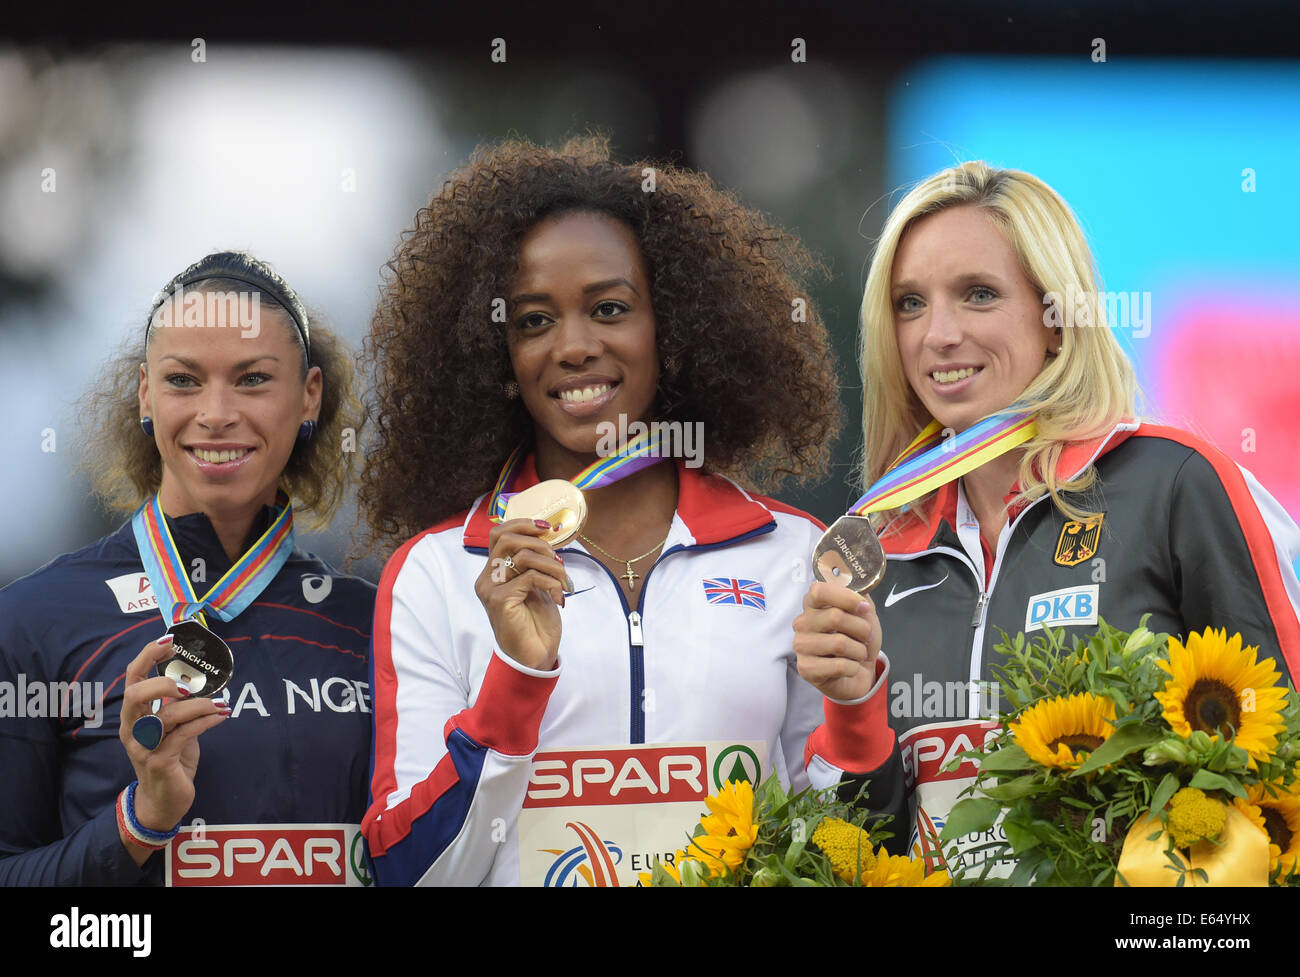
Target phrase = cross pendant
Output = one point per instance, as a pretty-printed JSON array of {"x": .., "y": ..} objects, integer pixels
[{"x": 630, "y": 577}]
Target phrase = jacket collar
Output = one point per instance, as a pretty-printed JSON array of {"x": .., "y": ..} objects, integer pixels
[
  {"x": 913, "y": 535},
  {"x": 710, "y": 508}
]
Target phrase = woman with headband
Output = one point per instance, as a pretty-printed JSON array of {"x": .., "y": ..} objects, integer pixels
[
  {"x": 546, "y": 309},
  {"x": 1013, "y": 487},
  {"x": 247, "y": 720}
]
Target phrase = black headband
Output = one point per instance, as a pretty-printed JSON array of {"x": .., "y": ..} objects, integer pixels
[{"x": 287, "y": 300}]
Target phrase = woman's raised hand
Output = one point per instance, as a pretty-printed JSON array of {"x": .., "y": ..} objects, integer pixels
[
  {"x": 837, "y": 639},
  {"x": 522, "y": 589},
  {"x": 165, "y": 773}
]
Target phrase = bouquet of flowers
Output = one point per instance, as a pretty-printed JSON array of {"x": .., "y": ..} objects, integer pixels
[
  {"x": 1135, "y": 759},
  {"x": 768, "y": 838}
]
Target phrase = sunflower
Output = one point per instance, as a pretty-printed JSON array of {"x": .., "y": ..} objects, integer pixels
[
  {"x": 899, "y": 870},
  {"x": 1217, "y": 686},
  {"x": 1278, "y": 816},
  {"x": 730, "y": 830},
  {"x": 1061, "y": 732}
]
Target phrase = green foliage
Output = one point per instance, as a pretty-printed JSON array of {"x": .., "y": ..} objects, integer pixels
[
  {"x": 784, "y": 853},
  {"x": 1067, "y": 827}
]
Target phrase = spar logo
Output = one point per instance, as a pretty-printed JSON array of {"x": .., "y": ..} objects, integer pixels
[
  {"x": 592, "y": 861},
  {"x": 267, "y": 854},
  {"x": 643, "y": 775},
  {"x": 736, "y": 762}
]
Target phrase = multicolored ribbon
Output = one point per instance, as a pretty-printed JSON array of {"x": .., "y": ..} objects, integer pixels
[
  {"x": 640, "y": 452},
  {"x": 238, "y": 587},
  {"x": 932, "y": 460}
]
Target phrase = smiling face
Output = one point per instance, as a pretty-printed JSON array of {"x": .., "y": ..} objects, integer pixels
[
  {"x": 969, "y": 323},
  {"x": 226, "y": 410},
  {"x": 581, "y": 333}
]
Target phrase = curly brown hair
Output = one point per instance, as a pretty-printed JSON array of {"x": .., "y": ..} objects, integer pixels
[
  {"x": 123, "y": 462},
  {"x": 726, "y": 286}
]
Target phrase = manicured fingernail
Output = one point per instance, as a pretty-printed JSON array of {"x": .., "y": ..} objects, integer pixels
[
  {"x": 541, "y": 524},
  {"x": 568, "y": 584},
  {"x": 224, "y": 709},
  {"x": 558, "y": 557},
  {"x": 182, "y": 689},
  {"x": 166, "y": 639}
]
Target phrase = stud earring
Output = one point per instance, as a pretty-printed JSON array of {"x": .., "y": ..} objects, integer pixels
[
  {"x": 511, "y": 390},
  {"x": 305, "y": 430},
  {"x": 146, "y": 425}
]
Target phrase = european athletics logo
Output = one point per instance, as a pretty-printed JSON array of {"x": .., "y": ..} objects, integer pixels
[{"x": 729, "y": 590}]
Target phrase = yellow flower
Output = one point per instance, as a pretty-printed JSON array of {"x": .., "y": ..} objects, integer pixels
[
  {"x": 1194, "y": 817},
  {"x": 733, "y": 813},
  {"x": 1278, "y": 816},
  {"x": 898, "y": 870},
  {"x": 847, "y": 846},
  {"x": 1217, "y": 686},
  {"x": 1053, "y": 730},
  {"x": 730, "y": 830}
]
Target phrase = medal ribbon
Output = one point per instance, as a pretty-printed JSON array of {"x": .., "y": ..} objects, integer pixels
[
  {"x": 640, "y": 452},
  {"x": 237, "y": 588},
  {"x": 931, "y": 460}
]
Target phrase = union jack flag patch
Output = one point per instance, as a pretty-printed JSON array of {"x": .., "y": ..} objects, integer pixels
[{"x": 729, "y": 590}]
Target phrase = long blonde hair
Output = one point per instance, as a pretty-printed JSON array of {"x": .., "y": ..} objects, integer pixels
[{"x": 1080, "y": 393}]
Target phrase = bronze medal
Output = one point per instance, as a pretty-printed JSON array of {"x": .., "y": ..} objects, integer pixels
[
  {"x": 558, "y": 502},
  {"x": 202, "y": 662},
  {"x": 849, "y": 553}
]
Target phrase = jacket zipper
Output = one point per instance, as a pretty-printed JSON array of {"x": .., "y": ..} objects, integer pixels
[{"x": 636, "y": 623}]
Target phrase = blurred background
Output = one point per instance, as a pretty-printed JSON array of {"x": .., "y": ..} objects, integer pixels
[{"x": 132, "y": 144}]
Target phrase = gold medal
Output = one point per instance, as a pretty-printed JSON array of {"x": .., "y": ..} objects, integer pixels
[
  {"x": 849, "y": 553},
  {"x": 558, "y": 502}
]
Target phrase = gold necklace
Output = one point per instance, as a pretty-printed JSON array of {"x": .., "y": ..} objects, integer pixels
[{"x": 629, "y": 574}]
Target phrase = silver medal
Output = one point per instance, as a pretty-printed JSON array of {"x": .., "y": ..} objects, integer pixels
[
  {"x": 849, "y": 553},
  {"x": 201, "y": 662}
]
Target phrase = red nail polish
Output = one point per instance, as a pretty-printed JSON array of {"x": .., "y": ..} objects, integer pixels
[
  {"x": 166, "y": 639},
  {"x": 541, "y": 524},
  {"x": 558, "y": 557},
  {"x": 182, "y": 691}
]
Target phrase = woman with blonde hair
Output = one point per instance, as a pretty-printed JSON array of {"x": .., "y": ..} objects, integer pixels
[
  {"x": 228, "y": 404},
  {"x": 1042, "y": 501}
]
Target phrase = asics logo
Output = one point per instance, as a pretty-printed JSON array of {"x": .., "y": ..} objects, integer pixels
[
  {"x": 315, "y": 588},
  {"x": 894, "y": 598}
]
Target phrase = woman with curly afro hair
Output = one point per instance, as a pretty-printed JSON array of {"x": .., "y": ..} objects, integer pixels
[{"x": 546, "y": 305}]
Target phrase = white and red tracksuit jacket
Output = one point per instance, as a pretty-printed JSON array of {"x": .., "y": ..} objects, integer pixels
[{"x": 457, "y": 722}]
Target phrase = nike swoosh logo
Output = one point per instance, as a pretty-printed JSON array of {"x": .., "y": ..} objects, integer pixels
[{"x": 894, "y": 598}]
